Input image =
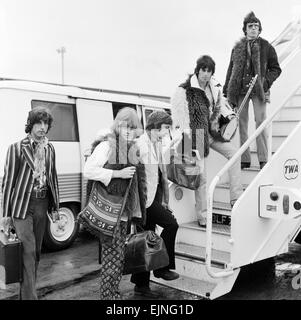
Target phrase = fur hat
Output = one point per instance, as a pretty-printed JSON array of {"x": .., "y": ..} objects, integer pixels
[
  {"x": 156, "y": 119},
  {"x": 250, "y": 18}
]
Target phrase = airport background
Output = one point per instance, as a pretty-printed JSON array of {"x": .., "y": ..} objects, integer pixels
[
  {"x": 143, "y": 46},
  {"x": 127, "y": 45}
]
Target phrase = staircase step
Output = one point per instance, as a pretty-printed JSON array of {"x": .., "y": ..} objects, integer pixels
[
  {"x": 216, "y": 228},
  {"x": 295, "y": 100},
  {"x": 222, "y": 192},
  {"x": 248, "y": 174},
  {"x": 221, "y": 213},
  {"x": 192, "y": 234},
  {"x": 186, "y": 213},
  {"x": 221, "y": 208},
  {"x": 254, "y": 158},
  {"x": 195, "y": 279},
  {"x": 194, "y": 286},
  {"x": 289, "y": 113},
  {"x": 277, "y": 141},
  {"x": 219, "y": 258},
  {"x": 284, "y": 128}
]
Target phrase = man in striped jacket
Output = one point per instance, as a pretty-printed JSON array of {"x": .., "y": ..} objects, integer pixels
[{"x": 29, "y": 190}]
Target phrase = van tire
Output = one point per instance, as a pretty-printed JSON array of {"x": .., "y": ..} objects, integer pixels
[{"x": 58, "y": 239}]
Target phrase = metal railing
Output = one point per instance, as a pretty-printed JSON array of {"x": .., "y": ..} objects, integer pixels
[
  {"x": 289, "y": 39},
  {"x": 216, "y": 179},
  {"x": 228, "y": 271}
]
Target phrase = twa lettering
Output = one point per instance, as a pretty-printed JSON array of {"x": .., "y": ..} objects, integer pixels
[{"x": 291, "y": 169}]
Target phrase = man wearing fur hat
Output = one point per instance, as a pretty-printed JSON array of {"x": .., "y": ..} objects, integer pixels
[{"x": 250, "y": 56}]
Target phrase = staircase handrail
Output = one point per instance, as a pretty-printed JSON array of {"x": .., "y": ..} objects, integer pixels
[
  {"x": 291, "y": 26},
  {"x": 228, "y": 271},
  {"x": 292, "y": 44},
  {"x": 290, "y": 35}
]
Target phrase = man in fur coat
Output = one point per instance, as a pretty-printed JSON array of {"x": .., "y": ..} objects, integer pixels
[
  {"x": 250, "y": 56},
  {"x": 196, "y": 111}
]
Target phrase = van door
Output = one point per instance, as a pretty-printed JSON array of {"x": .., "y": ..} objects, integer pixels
[{"x": 93, "y": 116}]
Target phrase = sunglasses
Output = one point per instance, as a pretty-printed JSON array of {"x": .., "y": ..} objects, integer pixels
[{"x": 253, "y": 25}]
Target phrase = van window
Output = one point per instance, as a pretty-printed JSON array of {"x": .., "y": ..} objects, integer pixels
[
  {"x": 119, "y": 105},
  {"x": 64, "y": 127}
]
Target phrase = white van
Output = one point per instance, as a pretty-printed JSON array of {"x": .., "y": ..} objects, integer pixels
[
  {"x": 79, "y": 113},
  {"x": 208, "y": 259}
]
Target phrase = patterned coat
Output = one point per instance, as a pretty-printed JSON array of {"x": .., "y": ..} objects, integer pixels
[{"x": 18, "y": 179}]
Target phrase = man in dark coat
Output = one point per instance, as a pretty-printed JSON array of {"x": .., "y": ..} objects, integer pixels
[
  {"x": 29, "y": 190},
  {"x": 250, "y": 56}
]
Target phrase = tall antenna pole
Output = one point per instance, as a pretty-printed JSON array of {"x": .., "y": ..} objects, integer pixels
[{"x": 62, "y": 51}]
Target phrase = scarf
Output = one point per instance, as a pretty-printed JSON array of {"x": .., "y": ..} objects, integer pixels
[{"x": 39, "y": 155}]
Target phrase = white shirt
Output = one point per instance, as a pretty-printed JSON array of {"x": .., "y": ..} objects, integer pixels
[{"x": 93, "y": 168}]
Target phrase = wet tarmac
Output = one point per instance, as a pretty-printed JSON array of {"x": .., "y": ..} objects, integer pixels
[{"x": 72, "y": 274}]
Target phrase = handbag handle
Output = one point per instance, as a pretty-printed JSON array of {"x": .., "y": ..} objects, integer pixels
[
  {"x": 134, "y": 227},
  {"x": 194, "y": 152},
  {"x": 123, "y": 203}
]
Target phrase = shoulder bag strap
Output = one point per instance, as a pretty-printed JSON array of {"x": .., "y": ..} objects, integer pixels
[{"x": 123, "y": 203}]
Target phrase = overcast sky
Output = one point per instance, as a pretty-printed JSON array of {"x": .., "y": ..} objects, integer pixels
[{"x": 144, "y": 46}]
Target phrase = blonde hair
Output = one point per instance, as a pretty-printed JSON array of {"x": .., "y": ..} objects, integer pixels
[{"x": 126, "y": 117}]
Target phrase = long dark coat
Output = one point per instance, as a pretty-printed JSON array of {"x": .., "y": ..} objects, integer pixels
[{"x": 265, "y": 64}]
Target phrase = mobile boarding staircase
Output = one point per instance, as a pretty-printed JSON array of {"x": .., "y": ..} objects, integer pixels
[{"x": 267, "y": 217}]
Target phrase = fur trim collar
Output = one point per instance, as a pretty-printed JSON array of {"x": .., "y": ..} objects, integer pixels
[
  {"x": 239, "y": 58},
  {"x": 213, "y": 84}
]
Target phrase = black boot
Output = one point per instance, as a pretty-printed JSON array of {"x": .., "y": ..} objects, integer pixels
[
  {"x": 262, "y": 164},
  {"x": 245, "y": 165}
]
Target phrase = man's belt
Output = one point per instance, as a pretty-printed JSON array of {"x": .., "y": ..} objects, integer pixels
[{"x": 39, "y": 193}]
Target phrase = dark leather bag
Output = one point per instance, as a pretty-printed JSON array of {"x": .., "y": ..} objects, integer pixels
[
  {"x": 183, "y": 168},
  {"x": 184, "y": 171},
  {"x": 144, "y": 251}
]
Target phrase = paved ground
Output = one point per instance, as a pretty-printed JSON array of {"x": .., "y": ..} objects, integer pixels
[
  {"x": 89, "y": 290},
  {"x": 72, "y": 274}
]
